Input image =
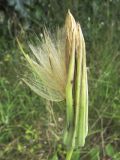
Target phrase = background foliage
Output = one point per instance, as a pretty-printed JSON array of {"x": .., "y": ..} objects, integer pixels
[{"x": 29, "y": 128}]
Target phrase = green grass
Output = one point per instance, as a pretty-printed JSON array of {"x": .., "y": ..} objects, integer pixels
[{"x": 30, "y": 128}]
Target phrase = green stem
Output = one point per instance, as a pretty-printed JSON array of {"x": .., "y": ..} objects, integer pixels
[{"x": 69, "y": 154}]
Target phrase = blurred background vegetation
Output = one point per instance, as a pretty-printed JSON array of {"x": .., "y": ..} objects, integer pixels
[{"x": 29, "y": 127}]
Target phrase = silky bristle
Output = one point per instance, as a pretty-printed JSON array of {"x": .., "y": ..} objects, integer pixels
[{"x": 48, "y": 66}]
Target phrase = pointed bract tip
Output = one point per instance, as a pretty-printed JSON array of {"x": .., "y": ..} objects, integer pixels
[
  {"x": 69, "y": 11},
  {"x": 70, "y": 21}
]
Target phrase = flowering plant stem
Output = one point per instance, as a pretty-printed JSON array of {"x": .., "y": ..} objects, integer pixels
[
  {"x": 58, "y": 72},
  {"x": 69, "y": 154},
  {"x": 76, "y": 91}
]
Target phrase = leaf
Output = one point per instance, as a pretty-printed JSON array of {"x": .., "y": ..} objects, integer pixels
[
  {"x": 110, "y": 150},
  {"x": 95, "y": 153}
]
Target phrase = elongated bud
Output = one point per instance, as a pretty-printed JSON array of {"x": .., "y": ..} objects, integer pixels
[
  {"x": 81, "y": 90},
  {"x": 76, "y": 87}
]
